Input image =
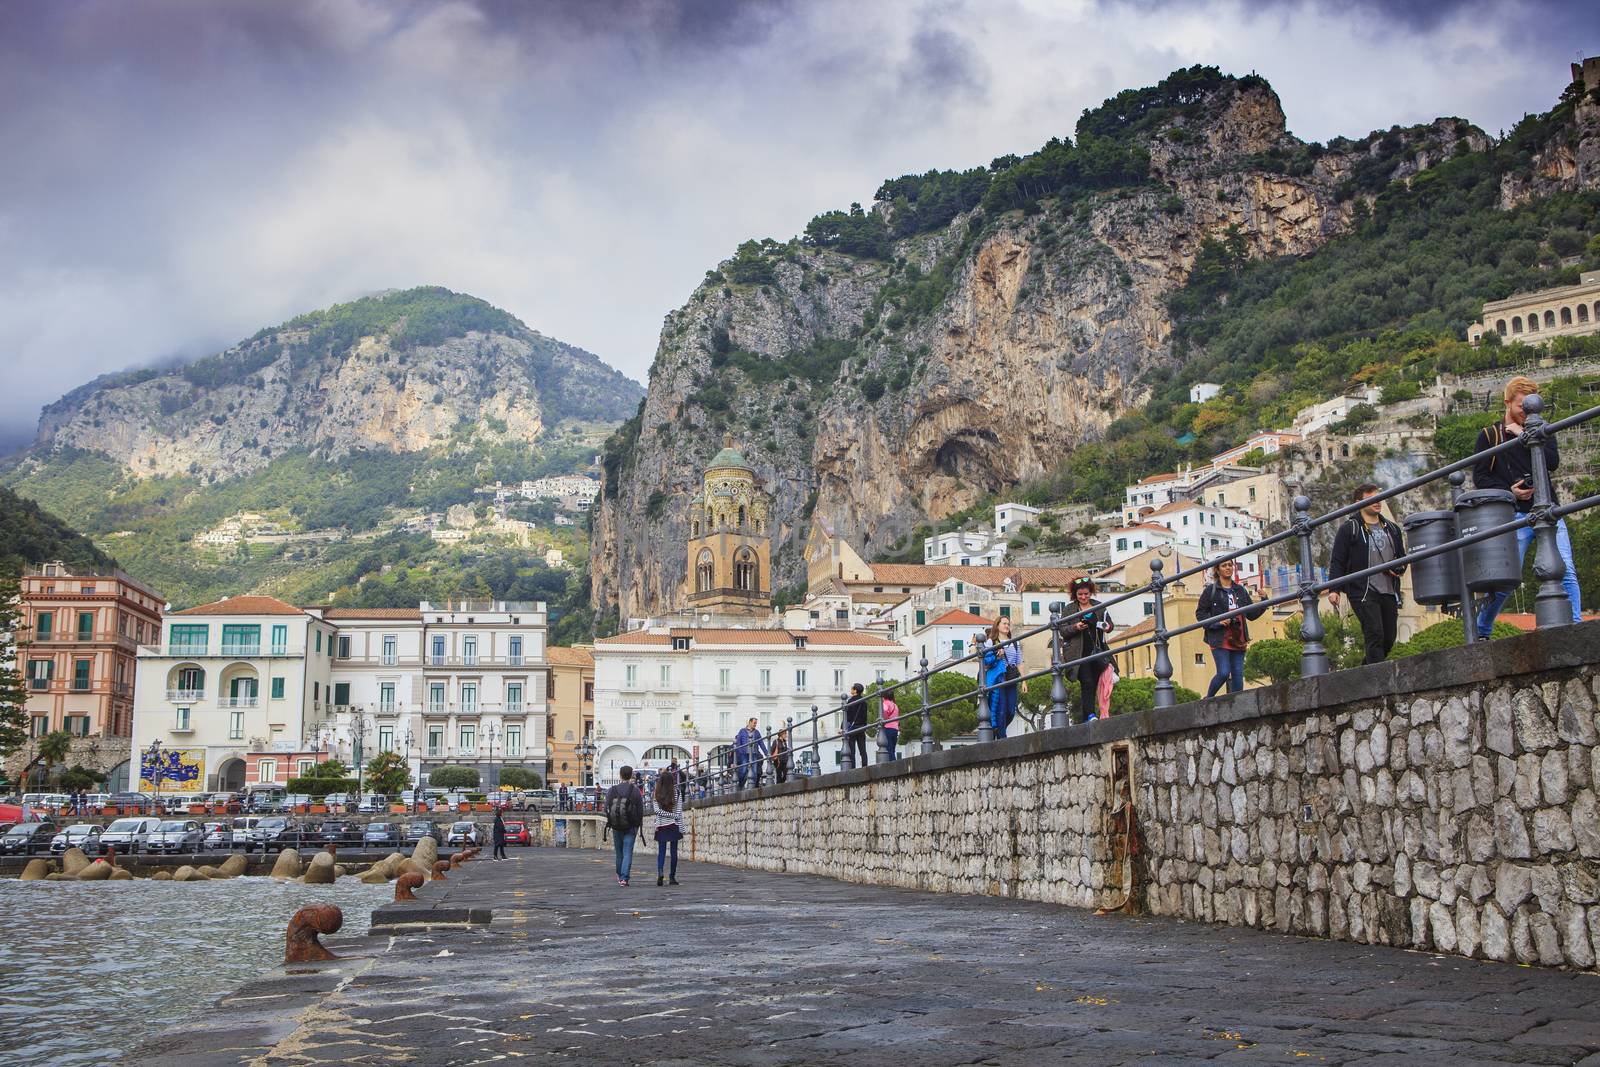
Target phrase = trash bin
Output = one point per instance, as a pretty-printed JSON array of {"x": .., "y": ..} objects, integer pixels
[
  {"x": 1437, "y": 579},
  {"x": 1493, "y": 565}
]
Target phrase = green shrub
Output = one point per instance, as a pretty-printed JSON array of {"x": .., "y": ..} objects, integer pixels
[
  {"x": 1276, "y": 658},
  {"x": 454, "y": 776},
  {"x": 521, "y": 778}
]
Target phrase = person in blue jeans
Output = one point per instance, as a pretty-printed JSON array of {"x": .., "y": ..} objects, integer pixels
[
  {"x": 1002, "y": 663},
  {"x": 1512, "y": 470},
  {"x": 1230, "y": 637},
  {"x": 624, "y": 816}
]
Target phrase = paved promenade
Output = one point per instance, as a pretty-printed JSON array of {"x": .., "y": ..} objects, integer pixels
[{"x": 746, "y": 968}]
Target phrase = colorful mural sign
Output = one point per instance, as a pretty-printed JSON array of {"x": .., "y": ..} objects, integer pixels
[{"x": 178, "y": 770}]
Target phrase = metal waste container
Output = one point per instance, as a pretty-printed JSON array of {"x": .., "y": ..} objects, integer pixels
[
  {"x": 1437, "y": 579},
  {"x": 1492, "y": 565}
]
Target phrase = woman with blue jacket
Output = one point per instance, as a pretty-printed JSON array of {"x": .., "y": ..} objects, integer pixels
[{"x": 1002, "y": 663}]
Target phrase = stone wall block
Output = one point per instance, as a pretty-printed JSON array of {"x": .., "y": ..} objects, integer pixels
[
  {"x": 1419, "y": 909},
  {"x": 1545, "y": 884},
  {"x": 1546, "y": 942},
  {"x": 1536, "y": 731},
  {"x": 1480, "y": 842},
  {"x": 1422, "y": 710},
  {"x": 1526, "y": 790},
  {"x": 1575, "y": 719},
  {"x": 1522, "y": 938},
  {"x": 1579, "y": 766},
  {"x": 1499, "y": 723},
  {"x": 1505, "y": 773},
  {"x": 1467, "y": 931},
  {"x": 1576, "y": 944},
  {"x": 1443, "y": 925},
  {"x": 1483, "y": 781},
  {"x": 1495, "y": 932}
]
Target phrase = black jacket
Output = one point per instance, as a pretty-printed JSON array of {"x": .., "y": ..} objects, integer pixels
[
  {"x": 499, "y": 829},
  {"x": 1082, "y": 643},
  {"x": 1505, "y": 469},
  {"x": 1214, "y": 601},
  {"x": 855, "y": 712},
  {"x": 1350, "y": 554}
]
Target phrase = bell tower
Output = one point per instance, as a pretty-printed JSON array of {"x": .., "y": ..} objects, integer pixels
[{"x": 730, "y": 541}]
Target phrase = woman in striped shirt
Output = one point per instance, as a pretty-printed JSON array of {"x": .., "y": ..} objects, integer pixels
[{"x": 669, "y": 825}]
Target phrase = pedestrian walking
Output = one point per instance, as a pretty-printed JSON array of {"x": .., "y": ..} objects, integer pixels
[
  {"x": 1002, "y": 666},
  {"x": 669, "y": 825},
  {"x": 781, "y": 755},
  {"x": 499, "y": 834},
  {"x": 749, "y": 753},
  {"x": 1086, "y": 641},
  {"x": 1513, "y": 470},
  {"x": 1230, "y": 637},
  {"x": 624, "y": 816},
  {"x": 563, "y": 799},
  {"x": 855, "y": 724},
  {"x": 1364, "y": 540},
  {"x": 889, "y": 723}
]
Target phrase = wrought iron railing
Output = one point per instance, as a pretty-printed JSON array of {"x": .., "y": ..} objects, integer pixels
[{"x": 1552, "y": 608}]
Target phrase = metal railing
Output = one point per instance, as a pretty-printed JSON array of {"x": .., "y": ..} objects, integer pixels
[{"x": 1552, "y": 608}]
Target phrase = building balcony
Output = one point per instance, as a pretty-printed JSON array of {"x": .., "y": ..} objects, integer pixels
[
  {"x": 30, "y": 637},
  {"x": 219, "y": 650},
  {"x": 186, "y": 696},
  {"x": 239, "y": 702},
  {"x": 432, "y": 660},
  {"x": 241, "y": 650}
]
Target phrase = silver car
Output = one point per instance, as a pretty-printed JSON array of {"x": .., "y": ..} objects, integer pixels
[
  {"x": 85, "y": 836},
  {"x": 176, "y": 835},
  {"x": 129, "y": 835}
]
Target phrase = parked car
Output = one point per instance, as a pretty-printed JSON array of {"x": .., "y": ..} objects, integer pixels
[
  {"x": 373, "y": 803},
  {"x": 296, "y": 800},
  {"x": 417, "y": 829},
  {"x": 382, "y": 835},
  {"x": 464, "y": 833},
  {"x": 273, "y": 833},
  {"x": 338, "y": 801},
  {"x": 136, "y": 801},
  {"x": 337, "y": 832},
  {"x": 79, "y": 835},
  {"x": 217, "y": 836},
  {"x": 541, "y": 800},
  {"x": 129, "y": 835},
  {"x": 26, "y": 838},
  {"x": 176, "y": 835},
  {"x": 517, "y": 834}
]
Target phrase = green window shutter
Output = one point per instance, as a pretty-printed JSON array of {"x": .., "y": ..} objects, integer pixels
[
  {"x": 43, "y": 622},
  {"x": 80, "y": 674},
  {"x": 922, "y": 618},
  {"x": 277, "y": 689},
  {"x": 185, "y": 636},
  {"x": 341, "y": 693},
  {"x": 85, "y": 624},
  {"x": 1005, "y": 611}
]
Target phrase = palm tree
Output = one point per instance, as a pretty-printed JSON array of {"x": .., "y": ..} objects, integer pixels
[{"x": 54, "y": 747}]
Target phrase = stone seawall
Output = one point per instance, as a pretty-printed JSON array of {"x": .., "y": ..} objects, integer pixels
[{"x": 1443, "y": 802}]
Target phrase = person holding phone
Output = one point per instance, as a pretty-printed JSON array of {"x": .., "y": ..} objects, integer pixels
[
  {"x": 1086, "y": 637},
  {"x": 1364, "y": 540},
  {"x": 1512, "y": 470},
  {"x": 1002, "y": 666}
]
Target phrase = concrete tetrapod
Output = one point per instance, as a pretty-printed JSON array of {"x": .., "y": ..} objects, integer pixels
[
  {"x": 121, "y": 874},
  {"x": 95, "y": 872},
  {"x": 161, "y": 876},
  {"x": 322, "y": 870},
  {"x": 391, "y": 864},
  {"x": 73, "y": 860},
  {"x": 187, "y": 873},
  {"x": 426, "y": 852},
  {"x": 404, "y": 885},
  {"x": 209, "y": 872},
  {"x": 301, "y": 944},
  {"x": 35, "y": 871},
  {"x": 411, "y": 866},
  {"x": 372, "y": 876},
  {"x": 233, "y": 866},
  {"x": 288, "y": 864}
]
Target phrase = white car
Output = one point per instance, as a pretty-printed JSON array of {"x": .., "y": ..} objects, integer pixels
[
  {"x": 176, "y": 835},
  {"x": 129, "y": 835},
  {"x": 373, "y": 804}
]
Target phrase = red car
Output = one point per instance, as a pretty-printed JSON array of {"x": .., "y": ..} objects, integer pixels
[{"x": 517, "y": 834}]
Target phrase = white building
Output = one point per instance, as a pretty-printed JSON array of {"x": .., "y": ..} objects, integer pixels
[
  {"x": 1009, "y": 516},
  {"x": 1269, "y": 442},
  {"x": 964, "y": 548},
  {"x": 1200, "y": 392},
  {"x": 1205, "y": 530},
  {"x": 683, "y": 692},
  {"x": 1310, "y": 420},
  {"x": 1129, "y": 541},
  {"x": 1150, "y": 493},
  {"x": 234, "y": 693}
]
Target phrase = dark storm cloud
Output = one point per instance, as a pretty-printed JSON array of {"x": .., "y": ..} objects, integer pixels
[{"x": 179, "y": 173}]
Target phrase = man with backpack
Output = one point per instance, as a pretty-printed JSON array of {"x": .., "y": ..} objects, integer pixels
[
  {"x": 624, "y": 816},
  {"x": 1512, "y": 470},
  {"x": 1367, "y": 539}
]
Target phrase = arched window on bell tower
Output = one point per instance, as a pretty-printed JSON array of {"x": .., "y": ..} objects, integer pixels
[
  {"x": 741, "y": 516},
  {"x": 746, "y": 571},
  {"x": 705, "y": 573}
]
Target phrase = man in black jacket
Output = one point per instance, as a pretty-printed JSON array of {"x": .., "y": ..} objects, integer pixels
[
  {"x": 1512, "y": 470},
  {"x": 1364, "y": 540},
  {"x": 855, "y": 724},
  {"x": 624, "y": 815}
]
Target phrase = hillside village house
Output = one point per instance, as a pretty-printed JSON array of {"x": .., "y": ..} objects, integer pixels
[
  {"x": 253, "y": 691},
  {"x": 81, "y": 629}
]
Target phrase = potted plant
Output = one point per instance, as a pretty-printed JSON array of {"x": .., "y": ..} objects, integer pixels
[{"x": 319, "y": 809}]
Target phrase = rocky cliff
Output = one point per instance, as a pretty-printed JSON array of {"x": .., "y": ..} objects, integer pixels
[
  {"x": 399, "y": 372},
  {"x": 882, "y": 388}
]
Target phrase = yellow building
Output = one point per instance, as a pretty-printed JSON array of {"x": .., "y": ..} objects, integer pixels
[
  {"x": 571, "y": 703},
  {"x": 730, "y": 542}
]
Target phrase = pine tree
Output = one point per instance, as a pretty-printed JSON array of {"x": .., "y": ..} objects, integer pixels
[{"x": 13, "y": 695}]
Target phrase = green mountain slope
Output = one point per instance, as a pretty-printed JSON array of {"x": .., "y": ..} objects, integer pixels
[{"x": 29, "y": 534}]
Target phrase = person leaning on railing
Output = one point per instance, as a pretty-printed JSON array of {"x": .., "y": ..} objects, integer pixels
[
  {"x": 1512, "y": 470},
  {"x": 1364, "y": 540},
  {"x": 1230, "y": 637},
  {"x": 855, "y": 724},
  {"x": 1086, "y": 640},
  {"x": 1002, "y": 666},
  {"x": 780, "y": 754}
]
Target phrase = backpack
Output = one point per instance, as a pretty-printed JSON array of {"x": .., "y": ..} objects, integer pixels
[{"x": 617, "y": 812}]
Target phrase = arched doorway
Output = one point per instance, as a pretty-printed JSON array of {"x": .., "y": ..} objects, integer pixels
[
  {"x": 230, "y": 776},
  {"x": 117, "y": 778}
]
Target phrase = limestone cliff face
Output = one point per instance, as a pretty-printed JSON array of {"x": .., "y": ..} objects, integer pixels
[
  {"x": 342, "y": 386},
  {"x": 1039, "y": 334},
  {"x": 1567, "y": 161}
]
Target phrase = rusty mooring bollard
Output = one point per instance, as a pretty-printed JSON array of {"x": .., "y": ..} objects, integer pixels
[
  {"x": 111, "y": 855},
  {"x": 457, "y": 860},
  {"x": 439, "y": 867},
  {"x": 302, "y": 945},
  {"x": 405, "y": 884}
]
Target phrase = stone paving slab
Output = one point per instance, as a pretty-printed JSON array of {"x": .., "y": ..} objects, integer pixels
[{"x": 750, "y": 969}]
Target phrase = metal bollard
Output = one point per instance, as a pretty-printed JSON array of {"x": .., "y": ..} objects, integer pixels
[
  {"x": 1551, "y": 607},
  {"x": 985, "y": 696},
  {"x": 1166, "y": 695},
  {"x": 1313, "y": 657},
  {"x": 927, "y": 716},
  {"x": 883, "y": 738},
  {"x": 1469, "y": 614},
  {"x": 1060, "y": 713},
  {"x": 848, "y": 762},
  {"x": 301, "y": 944},
  {"x": 816, "y": 758}
]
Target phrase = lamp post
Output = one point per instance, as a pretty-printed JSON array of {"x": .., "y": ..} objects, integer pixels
[
  {"x": 416, "y": 791},
  {"x": 156, "y": 754},
  {"x": 585, "y": 751},
  {"x": 493, "y": 735}
]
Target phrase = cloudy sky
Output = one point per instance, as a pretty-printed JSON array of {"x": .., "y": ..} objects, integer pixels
[{"x": 178, "y": 174}]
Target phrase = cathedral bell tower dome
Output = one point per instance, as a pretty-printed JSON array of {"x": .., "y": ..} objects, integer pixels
[{"x": 730, "y": 541}]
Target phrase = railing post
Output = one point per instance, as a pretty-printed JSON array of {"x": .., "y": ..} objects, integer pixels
[
  {"x": 1166, "y": 695},
  {"x": 927, "y": 716},
  {"x": 788, "y": 736},
  {"x": 848, "y": 762},
  {"x": 883, "y": 738},
  {"x": 1469, "y": 614},
  {"x": 1060, "y": 713},
  {"x": 816, "y": 752},
  {"x": 1551, "y": 607},
  {"x": 1313, "y": 657},
  {"x": 985, "y": 716}
]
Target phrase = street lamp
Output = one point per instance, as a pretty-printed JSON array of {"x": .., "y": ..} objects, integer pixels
[
  {"x": 493, "y": 735},
  {"x": 585, "y": 751},
  {"x": 358, "y": 734},
  {"x": 156, "y": 757}
]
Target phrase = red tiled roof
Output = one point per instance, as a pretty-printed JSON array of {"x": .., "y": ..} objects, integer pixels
[
  {"x": 959, "y": 617},
  {"x": 562, "y": 656},
  {"x": 914, "y": 574},
  {"x": 636, "y": 637},
  {"x": 732, "y": 635},
  {"x": 1158, "y": 478},
  {"x": 373, "y": 613},
  {"x": 846, "y": 637},
  {"x": 754, "y": 636},
  {"x": 244, "y": 605}
]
